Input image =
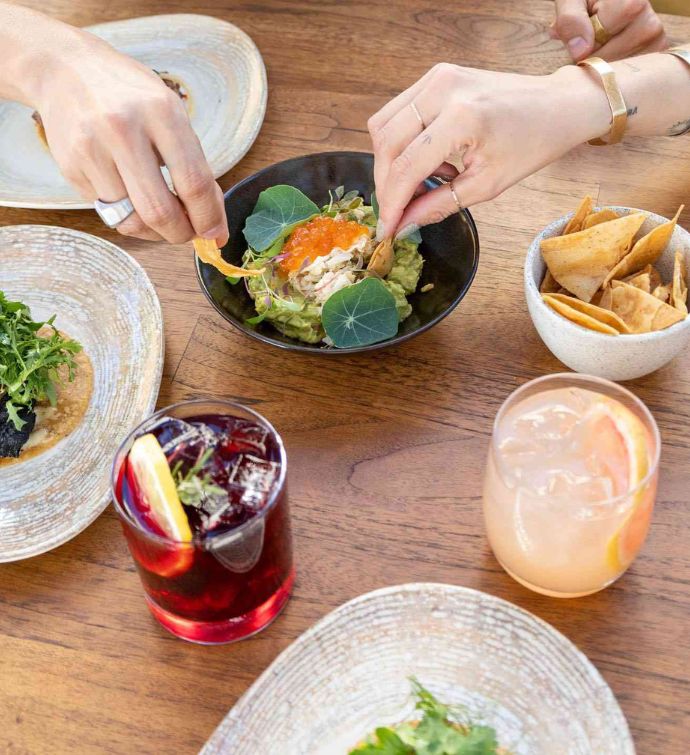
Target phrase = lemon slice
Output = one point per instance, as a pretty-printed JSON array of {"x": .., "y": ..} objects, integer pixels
[
  {"x": 157, "y": 486},
  {"x": 621, "y": 441}
]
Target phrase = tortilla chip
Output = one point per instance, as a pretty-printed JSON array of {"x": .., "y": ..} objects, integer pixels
[
  {"x": 654, "y": 276},
  {"x": 603, "y": 216},
  {"x": 605, "y": 300},
  {"x": 641, "y": 280},
  {"x": 604, "y": 316},
  {"x": 575, "y": 223},
  {"x": 582, "y": 261},
  {"x": 662, "y": 292},
  {"x": 579, "y": 318},
  {"x": 207, "y": 251},
  {"x": 549, "y": 284},
  {"x": 642, "y": 312},
  {"x": 646, "y": 251},
  {"x": 679, "y": 288}
]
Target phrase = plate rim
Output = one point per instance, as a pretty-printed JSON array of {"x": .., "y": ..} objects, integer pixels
[
  {"x": 222, "y": 167},
  {"x": 215, "y": 743},
  {"x": 104, "y": 501}
]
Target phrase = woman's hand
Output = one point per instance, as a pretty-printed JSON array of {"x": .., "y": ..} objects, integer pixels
[
  {"x": 110, "y": 123},
  {"x": 633, "y": 24},
  {"x": 500, "y": 126}
]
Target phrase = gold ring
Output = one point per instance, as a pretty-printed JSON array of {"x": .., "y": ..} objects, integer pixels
[
  {"x": 419, "y": 115},
  {"x": 601, "y": 35},
  {"x": 455, "y": 196}
]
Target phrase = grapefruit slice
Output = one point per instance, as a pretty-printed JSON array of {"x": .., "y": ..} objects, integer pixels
[
  {"x": 157, "y": 487},
  {"x": 620, "y": 442}
]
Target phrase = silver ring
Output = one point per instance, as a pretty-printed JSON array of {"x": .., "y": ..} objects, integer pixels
[
  {"x": 419, "y": 115},
  {"x": 455, "y": 196},
  {"x": 114, "y": 213}
]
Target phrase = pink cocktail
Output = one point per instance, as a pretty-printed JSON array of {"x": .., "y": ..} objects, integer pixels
[{"x": 570, "y": 483}]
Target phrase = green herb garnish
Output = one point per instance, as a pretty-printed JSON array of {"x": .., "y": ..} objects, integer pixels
[
  {"x": 442, "y": 730},
  {"x": 277, "y": 213},
  {"x": 192, "y": 488},
  {"x": 360, "y": 314},
  {"x": 29, "y": 362}
]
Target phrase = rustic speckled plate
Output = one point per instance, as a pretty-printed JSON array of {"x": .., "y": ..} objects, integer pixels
[
  {"x": 104, "y": 299},
  {"x": 218, "y": 65},
  {"x": 349, "y": 673}
]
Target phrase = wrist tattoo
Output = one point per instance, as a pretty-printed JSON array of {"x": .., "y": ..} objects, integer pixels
[
  {"x": 682, "y": 127},
  {"x": 631, "y": 66},
  {"x": 632, "y": 111}
]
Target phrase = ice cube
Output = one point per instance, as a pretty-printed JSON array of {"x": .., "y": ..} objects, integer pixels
[
  {"x": 172, "y": 431},
  {"x": 255, "y": 477},
  {"x": 245, "y": 436}
]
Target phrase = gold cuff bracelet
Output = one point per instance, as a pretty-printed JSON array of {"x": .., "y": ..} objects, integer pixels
[{"x": 619, "y": 110}]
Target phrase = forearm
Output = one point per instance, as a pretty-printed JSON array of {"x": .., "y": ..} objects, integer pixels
[
  {"x": 656, "y": 90},
  {"x": 32, "y": 45}
]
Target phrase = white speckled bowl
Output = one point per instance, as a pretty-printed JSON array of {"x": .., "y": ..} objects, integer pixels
[
  {"x": 350, "y": 673},
  {"x": 623, "y": 357}
]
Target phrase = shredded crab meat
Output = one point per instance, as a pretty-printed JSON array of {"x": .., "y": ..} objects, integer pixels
[{"x": 331, "y": 272}]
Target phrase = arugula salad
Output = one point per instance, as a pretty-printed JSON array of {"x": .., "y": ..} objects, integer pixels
[
  {"x": 441, "y": 730},
  {"x": 317, "y": 273},
  {"x": 34, "y": 358}
]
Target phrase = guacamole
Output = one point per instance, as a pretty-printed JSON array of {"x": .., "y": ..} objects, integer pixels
[{"x": 318, "y": 257}]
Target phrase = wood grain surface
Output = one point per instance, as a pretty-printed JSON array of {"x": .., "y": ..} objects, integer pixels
[{"x": 386, "y": 451}]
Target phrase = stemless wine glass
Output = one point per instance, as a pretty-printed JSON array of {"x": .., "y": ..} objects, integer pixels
[
  {"x": 570, "y": 483},
  {"x": 231, "y": 581}
]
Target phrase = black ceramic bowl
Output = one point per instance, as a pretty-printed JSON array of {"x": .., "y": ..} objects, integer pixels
[{"x": 450, "y": 249}]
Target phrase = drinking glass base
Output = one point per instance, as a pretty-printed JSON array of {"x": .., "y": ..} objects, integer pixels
[
  {"x": 553, "y": 593},
  {"x": 230, "y": 630}
]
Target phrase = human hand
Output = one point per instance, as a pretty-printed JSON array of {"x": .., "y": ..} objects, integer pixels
[
  {"x": 633, "y": 24},
  {"x": 505, "y": 126},
  {"x": 110, "y": 123}
]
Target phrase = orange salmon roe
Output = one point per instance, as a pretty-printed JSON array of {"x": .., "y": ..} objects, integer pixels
[{"x": 317, "y": 238}]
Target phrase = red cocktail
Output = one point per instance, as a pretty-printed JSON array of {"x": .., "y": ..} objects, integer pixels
[{"x": 200, "y": 488}]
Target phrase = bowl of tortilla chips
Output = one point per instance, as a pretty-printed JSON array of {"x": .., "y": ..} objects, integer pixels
[{"x": 606, "y": 288}]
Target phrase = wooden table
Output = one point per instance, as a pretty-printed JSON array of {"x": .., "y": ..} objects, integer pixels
[{"x": 386, "y": 452}]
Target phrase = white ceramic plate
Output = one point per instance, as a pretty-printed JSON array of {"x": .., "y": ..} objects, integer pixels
[
  {"x": 104, "y": 299},
  {"x": 218, "y": 65},
  {"x": 349, "y": 673}
]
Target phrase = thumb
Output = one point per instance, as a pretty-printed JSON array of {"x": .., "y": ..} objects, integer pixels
[{"x": 574, "y": 28}]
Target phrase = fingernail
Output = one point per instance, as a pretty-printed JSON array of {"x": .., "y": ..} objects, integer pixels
[
  {"x": 219, "y": 232},
  {"x": 406, "y": 231},
  {"x": 380, "y": 230},
  {"x": 577, "y": 46}
]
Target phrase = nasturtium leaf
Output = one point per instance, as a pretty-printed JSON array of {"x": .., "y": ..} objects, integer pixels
[
  {"x": 415, "y": 237},
  {"x": 278, "y": 211},
  {"x": 360, "y": 314}
]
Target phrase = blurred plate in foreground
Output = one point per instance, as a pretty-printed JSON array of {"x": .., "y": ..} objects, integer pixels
[{"x": 349, "y": 674}]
